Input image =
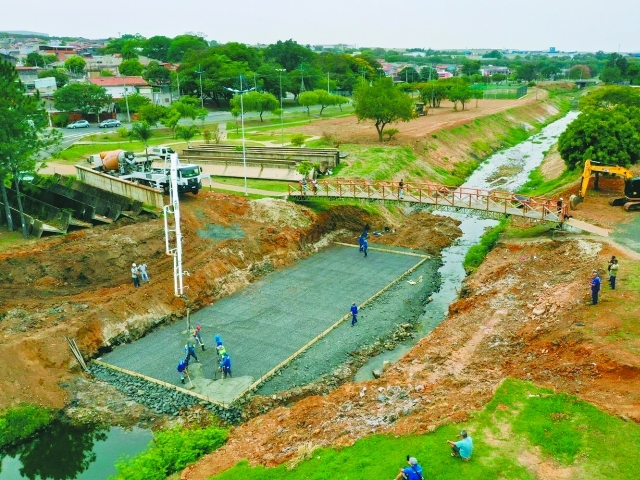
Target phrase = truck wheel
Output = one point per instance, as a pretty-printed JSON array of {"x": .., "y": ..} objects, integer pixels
[{"x": 195, "y": 191}]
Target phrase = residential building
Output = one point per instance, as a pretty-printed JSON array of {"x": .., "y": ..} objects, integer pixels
[{"x": 119, "y": 87}]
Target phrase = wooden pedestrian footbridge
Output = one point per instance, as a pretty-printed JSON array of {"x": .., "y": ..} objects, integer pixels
[{"x": 489, "y": 203}]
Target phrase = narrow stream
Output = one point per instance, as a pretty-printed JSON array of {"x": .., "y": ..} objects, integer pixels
[{"x": 507, "y": 170}]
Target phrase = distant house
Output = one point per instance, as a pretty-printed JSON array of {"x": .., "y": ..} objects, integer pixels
[
  {"x": 119, "y": 87},
  {"x": 28, "y": 76},
  {"x": 491, "y": 70},
  {"x": 8, "y": 58}
]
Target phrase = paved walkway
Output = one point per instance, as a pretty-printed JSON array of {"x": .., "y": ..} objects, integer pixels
[{"x": 266, "y": 323}]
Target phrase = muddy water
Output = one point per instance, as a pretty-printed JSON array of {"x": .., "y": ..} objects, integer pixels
[
  {"x": 507, "y": 170},
  {"x": 64, "y": 452}
]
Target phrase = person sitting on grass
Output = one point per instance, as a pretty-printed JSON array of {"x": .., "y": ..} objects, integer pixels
[
  {"x": 412, "y": 472},
  {"x": 462, "y": 448}
]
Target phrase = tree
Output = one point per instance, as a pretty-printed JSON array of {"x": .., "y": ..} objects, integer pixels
[
  {"x": 61, "y": 78},
  {"x": 171, "y": 118},
  {"x": 307, "y": 99},
  {"x": 469, "y": 67},
  {"x": 610, "y": 96},
  {"x": 156, "y": 74},
  {"x": 157, "y": 47},
  {"x": 428, "y": 73},
  {"x": 409, "y": 75},
  {"x": 611, "y": 75},
  {"x": 134, "y": 102},
  {"x": 187, "y": 132},
  {"x": 579, "y": 72},
  {"x": 383, "y": 103},
  {"x": 23, "y": 134},
  {"x": 183, "y": 44},
  {"x": 75, "y": 64},
  {"x": 83, "y": 97},
  {"x": 34, "y": 59},
  {"x": 131, "y": 67},
  {"x": 433, "y": 92},
  {"x": 289, "y": 54},
  {"x": 142, "y": 131},
  {"x": 608, "y": 136},
  {"x": 498, "y": 77},
  {"x": 256, "y": 102},
  {"x": 527, "y": 72},
  {"x": 460, "y": 93},
  {"x": 152, "y": 114},
  {"x": 492, "y": 54}
]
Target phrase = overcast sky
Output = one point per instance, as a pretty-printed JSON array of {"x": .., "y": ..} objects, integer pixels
[{"x": 568, "y": 25}]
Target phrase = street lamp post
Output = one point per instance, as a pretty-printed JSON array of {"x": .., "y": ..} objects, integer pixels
[
  {"x": 200, "y": 72},
  {"x": 280, "y": 70},
  {"x": 241, "y": 92}
]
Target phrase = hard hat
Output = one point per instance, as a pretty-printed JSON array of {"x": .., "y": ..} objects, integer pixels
[{"x": 133, "y": 264}]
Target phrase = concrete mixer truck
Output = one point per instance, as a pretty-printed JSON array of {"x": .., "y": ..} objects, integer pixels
[{"x": 126, "y": 166}]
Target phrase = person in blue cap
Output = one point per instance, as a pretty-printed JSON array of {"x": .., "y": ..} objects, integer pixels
[{"x": 413, "y": 471}]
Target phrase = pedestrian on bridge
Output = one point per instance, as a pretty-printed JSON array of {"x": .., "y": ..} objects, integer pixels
[
  {"x": 401, "y": 189},
  {"x": 354, "y": 314}
]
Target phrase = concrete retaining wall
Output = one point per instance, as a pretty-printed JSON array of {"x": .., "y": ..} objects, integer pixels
[
  {"x": 146, "y": 195},
  {"x": 45, "y": 212},
  {"x": 126, "y": 204}
]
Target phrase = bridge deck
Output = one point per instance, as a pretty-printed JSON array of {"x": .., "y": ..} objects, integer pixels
[{"x": 494, "y": 201}]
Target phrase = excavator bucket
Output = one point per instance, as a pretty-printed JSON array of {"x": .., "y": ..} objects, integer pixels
[{"x": 575, "y": 200}]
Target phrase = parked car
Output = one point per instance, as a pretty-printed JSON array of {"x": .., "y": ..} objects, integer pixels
[
  {"x": 109, "y": 123},
  {"x": 79, "y": 124}
]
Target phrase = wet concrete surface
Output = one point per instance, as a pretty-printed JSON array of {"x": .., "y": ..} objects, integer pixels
[{"x": 271, "y": 319}]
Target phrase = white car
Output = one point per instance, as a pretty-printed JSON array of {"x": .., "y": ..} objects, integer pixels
[{"x": 79, "y": 124}]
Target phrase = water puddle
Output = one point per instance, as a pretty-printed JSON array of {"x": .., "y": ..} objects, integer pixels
[{"x": 64, "y": 452}]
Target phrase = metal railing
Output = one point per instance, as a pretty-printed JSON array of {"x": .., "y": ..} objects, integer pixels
[{"x": 439, "y": 196}]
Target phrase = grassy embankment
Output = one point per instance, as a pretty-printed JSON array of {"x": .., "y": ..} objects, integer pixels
[{"x": 566, "y": 435}]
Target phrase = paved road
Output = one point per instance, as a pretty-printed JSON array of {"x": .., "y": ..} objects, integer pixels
[{"x": 268, "y": 321}]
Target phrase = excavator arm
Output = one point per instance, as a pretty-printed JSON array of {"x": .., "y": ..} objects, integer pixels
[{"x": 591, "y": 168}]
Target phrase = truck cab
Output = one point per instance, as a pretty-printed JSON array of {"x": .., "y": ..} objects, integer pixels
[{"x": 161, "y": 151}]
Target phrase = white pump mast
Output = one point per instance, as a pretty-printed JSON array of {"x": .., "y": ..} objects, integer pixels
[{"x": 174, "y": 208}]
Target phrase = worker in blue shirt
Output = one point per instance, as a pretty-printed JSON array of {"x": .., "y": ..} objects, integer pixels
[
  {"x": 354, "y": 314},
  {"x": 595, "y": 287}
]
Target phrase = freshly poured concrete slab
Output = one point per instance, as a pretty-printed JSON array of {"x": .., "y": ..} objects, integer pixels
[{"x": 267, "y": 322}]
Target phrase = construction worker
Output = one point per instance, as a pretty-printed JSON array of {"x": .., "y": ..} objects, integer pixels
[
  {"x": 182, "y": 369},
  {"x": 190, "y": 351},
  {"x": 225, "y": 365},
  {"x": 198, "y": 336},
  {"x": 135, "y": 275}
]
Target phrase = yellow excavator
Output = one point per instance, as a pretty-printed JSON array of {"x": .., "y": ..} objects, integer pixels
[{"x": 631, "y": 199}]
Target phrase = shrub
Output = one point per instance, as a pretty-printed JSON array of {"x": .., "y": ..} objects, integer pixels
[
  {"x": 391, "y": 132},
  {"x": 123, "y": 132},
  {"x": 21, "y": 422},
  {"x": 61, "y": 120},
  {"x": 477, "y": 253},
  {"x": 171, "y": 451},
  {"x": 297, "y": 140}
]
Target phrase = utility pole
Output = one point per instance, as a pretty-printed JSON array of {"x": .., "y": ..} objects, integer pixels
[
  {"x": 302, "y": 89},
  {"x": 200, "y": 72},
  {"x": 280, "y": 70},
  {"x": 126, "y": 99}
]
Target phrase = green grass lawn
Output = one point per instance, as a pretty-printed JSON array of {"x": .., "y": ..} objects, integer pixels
[{"x": 565, "y": 434}]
